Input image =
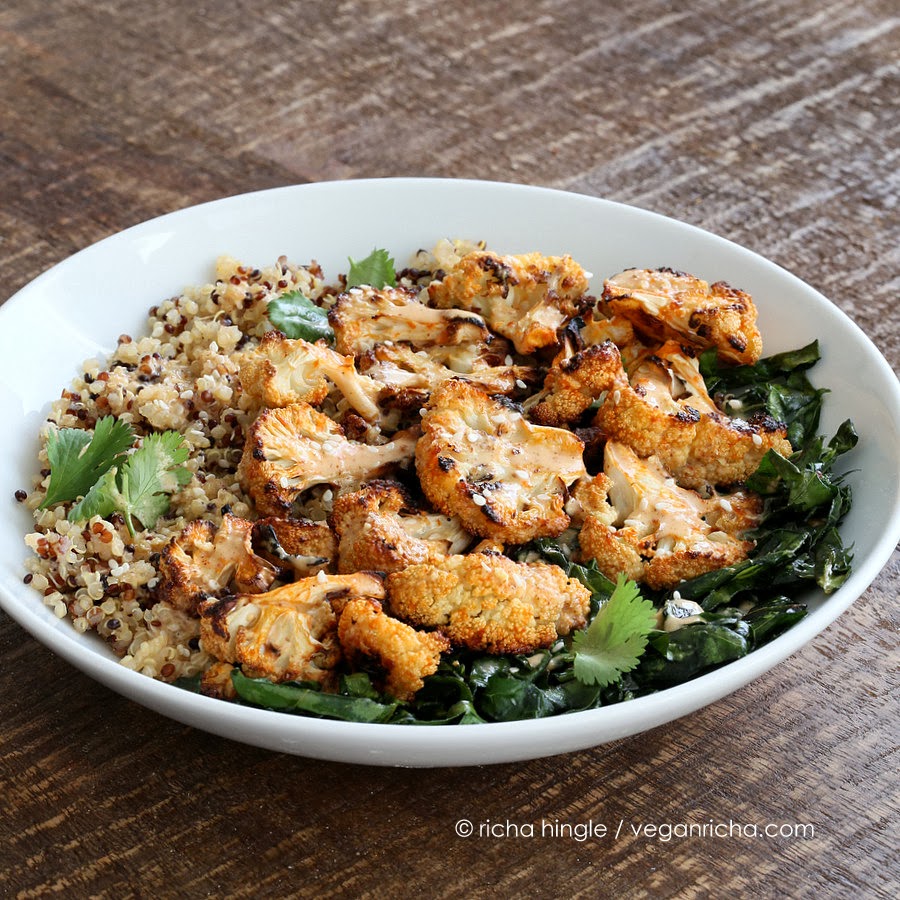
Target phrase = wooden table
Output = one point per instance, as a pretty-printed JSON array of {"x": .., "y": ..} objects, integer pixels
[{"x": 771, "y": 122}]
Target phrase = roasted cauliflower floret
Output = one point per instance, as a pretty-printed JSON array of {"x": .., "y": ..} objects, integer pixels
[
  {"x": 216, "y": 682},
  {"x": 466, "y": 359},
  {"x": 666, "y": 304},
  {"x": 288, "y": 634},
  {"x": 575, "y": 381},
  {"x": 525, "y": 298},
  {"x": 296, "y": 546},
  {"x": 724, "y": 450},
  {"x": 406, "y": 656},
  {"x": 380, "y": 528},
  {"x": 485, "y": 601},
  {"x": 728, "y": 451},
  {"x": 659, "y": 534},
  {"x": 618, "y": 329},
  {"x": 629, "y": 414},
  {"x": 504, "y": 478},
  {"x": 664, "y": 410},
  {"x": 363, "y": 317},
  {"x": 445, "y": 255},
  {"x": 281, "y": 371},
  {"x": 204, "y": 560},
  {"x": 410, "y": 376},
  {"x": 292, "y": 449}
]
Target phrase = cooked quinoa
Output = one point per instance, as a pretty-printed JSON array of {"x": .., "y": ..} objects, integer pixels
[{"x": 182, "y": 376}]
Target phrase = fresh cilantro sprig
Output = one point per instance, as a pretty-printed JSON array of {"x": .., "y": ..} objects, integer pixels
[
  {"x": 139, "y": 487},
  {"x": 78, "y": 458},
  {"x": 376, "y": 270},
  {"x": 613, "y": 643},
  {"x": 298, "y": 318}
]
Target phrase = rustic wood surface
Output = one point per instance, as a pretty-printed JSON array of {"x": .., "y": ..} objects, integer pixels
[{"x": 772, "y": 122}]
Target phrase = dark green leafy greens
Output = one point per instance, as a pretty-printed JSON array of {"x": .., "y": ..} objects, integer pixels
[{"x": 298, "y": 318}]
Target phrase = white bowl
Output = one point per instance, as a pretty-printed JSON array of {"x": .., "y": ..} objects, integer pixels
[{"x": 77, "y": 309}]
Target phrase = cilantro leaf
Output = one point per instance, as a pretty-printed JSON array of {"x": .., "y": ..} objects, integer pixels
[
  {"x": 376, "y": 270},
  {"x": 102, "y": 499},
  {"x": 613, "y": 643},
  {"x": 78, "y": 458},
  {"x": 298, "y": 318},
  {"x": 140, "y": 487}
]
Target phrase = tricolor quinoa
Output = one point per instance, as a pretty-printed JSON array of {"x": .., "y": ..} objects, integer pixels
[{"x": 182, "y": 376}]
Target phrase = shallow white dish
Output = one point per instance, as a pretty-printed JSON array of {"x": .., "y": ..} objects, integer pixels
[{"x": 77, "y": 309}]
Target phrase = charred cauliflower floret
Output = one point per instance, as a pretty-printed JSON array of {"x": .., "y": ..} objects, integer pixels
[
  {"x": 724, "y": 450},
  {"x": 479, "y": 459},
  {"x": 405, "y": 655},
  {"x": 288, "y": 634},
  {"x": 664, "y": 410},
  {"x": 658, "y": 534},
  {"x": 575, "y": 381},
  {"x": 380, "y": 528},
  {"x": 467, "y": 359},
  {"x": 485, "y": 601},
  {"x": 281, "y": 371},
  {"x": 409, "y": 376},
  {"x": 629, "y": 414},
  {"x": 204, "y": 560},
  {"x": 618, "y": 329},
  {"x": 216, "y": 682},
  {"x": 664, "y": 304},
  {"x": 292, "y": 449},
  {"x": 363, "y": 317},
  {"x": 525, "y": 298},
  {"x": 298, "y": 547},
  {"x": 728, "y": 451}
]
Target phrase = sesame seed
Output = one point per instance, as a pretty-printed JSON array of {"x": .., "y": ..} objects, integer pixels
[
  {"x": 521, "y": 474},
  {"x": 478, "y": 500},
  {"x": 422, "y": 411},
  {"x": 508, "y": 361},
  {"x": 328, "y": 495},
  {"x": 734, "y": 403},
  {"x": 321, "y": 577},
  {"x": 725, "y": 504},
  {"x": 521, "y": 384},
  {"x": 617, "y": 396},
  {"x": 676, "y": 595},
  {"x": 757, "y": 440}
]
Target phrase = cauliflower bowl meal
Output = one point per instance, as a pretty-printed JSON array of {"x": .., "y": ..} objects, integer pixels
[{"x": 465, "y": 490}]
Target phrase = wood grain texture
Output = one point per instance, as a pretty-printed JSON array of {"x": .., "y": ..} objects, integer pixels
[{"x": 773, "y": 123}]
